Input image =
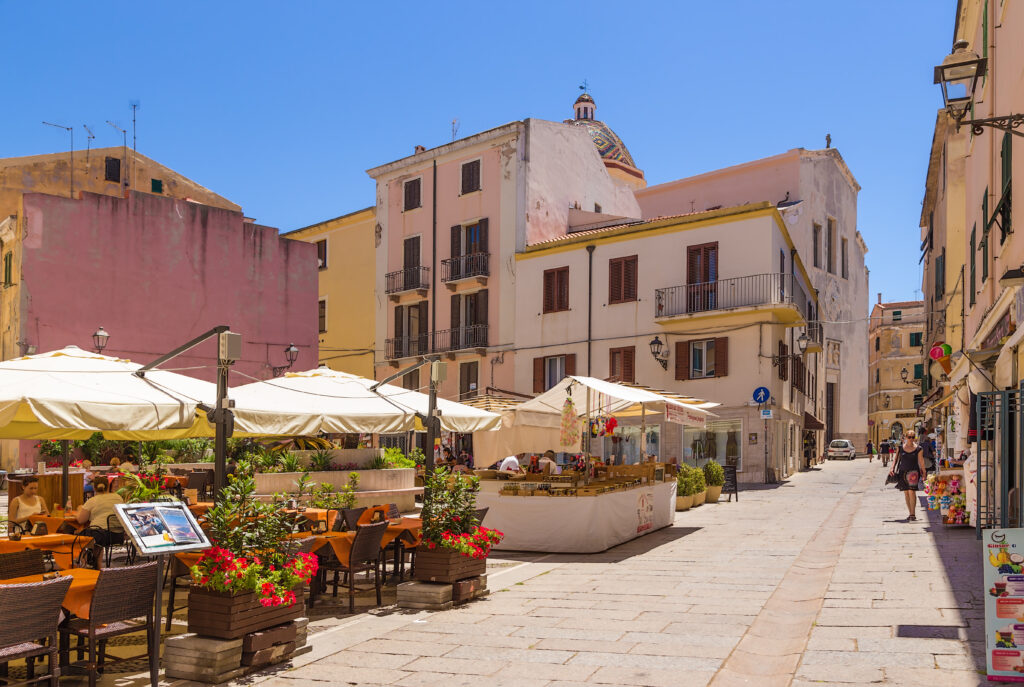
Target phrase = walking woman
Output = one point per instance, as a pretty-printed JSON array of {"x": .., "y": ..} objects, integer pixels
[{"x": 909, "y": 471}]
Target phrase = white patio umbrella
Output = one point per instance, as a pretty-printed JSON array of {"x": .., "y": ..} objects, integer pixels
[{"x": 324, "y": 400}]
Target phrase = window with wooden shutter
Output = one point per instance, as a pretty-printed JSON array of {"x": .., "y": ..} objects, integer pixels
[
  {"x": 538, "y": 375},
  {"x": 412, "y": 194},
  {"x": 321, "y": 253},
  {"x": 621, "y": 364},
  {"x": 570, "y": 364},
  {"x": 321, "y": 314},
  {"x": 471, "y": 176},
  {"x": 721, "y": 356},
  {"x": 456, "y": 308},
  {"x": 456, "y": 241},
  {"x": 817, "y": 244},
  {"x": 556, "y": 289},
  {"x": 468, "y": 373},
  {"x": 683, "y": 360},
  {"x": 783, "y": 361},
  {"x": 485, "y": 226},
  {"x": 622, "y": 279},
  {"x": 480, "y": 314}
]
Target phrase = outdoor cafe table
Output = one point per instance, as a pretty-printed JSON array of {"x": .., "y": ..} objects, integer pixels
[
  {"x": 53, "y": 522},
  {"x": 316, "y": 515},
  {"x": 78, "y": 597},
  {"x": 60, "y": 545},
  {"x": 199, "y": 509}
]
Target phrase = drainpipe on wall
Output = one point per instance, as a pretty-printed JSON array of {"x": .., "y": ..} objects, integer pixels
[
  {"x": 590, "y": 302},
  {"x": 433, "y": 259}
]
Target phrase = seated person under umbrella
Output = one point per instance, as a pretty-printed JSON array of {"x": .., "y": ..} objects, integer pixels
[
  {"x": 510, "y": 465},
  {"x": 28, "y": 503},
  {"x": 95, "y": 512}
]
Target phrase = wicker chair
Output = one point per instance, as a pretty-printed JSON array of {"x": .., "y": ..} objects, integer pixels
[
  {"x": 393, "y": 512},
  {"x": 364, "y": 556},
  {"x": 348, "y": 519},
  {"x": 22, "y": 564},
  {"x": 200, "y": 481},
  {"x": 121, "y": 594},
  {"x": 37, "y": 607}
]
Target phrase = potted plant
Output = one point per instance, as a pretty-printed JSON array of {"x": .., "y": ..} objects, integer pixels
[
  {"x": 699, "y": 486},
  {"x": 452, "y": 547},
  {"x": 251, "y": 579},
  {"x": 714, "y": 475},
  {"x": 684, "y": 488}
]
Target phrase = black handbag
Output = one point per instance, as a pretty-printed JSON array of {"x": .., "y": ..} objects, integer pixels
[{"x": 891, "y": 478}]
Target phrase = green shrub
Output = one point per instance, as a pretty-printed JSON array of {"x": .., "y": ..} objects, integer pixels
[
  {"x": 714, "y": 475},
  {"x": 320, "y": 461},
  {"x": 289, "y": 462},
  {"x": 697, "y": 480},
  {"x": 684, "y": 486}
]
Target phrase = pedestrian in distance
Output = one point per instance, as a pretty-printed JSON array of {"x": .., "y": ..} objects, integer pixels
[
  {"x": 870, "y": 450},
  {"x": 908, "y": 471},
  {"x": 886, "y": 450}
]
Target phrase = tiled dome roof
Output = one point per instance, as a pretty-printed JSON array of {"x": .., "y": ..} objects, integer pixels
[{"x": 608, "y": 143}]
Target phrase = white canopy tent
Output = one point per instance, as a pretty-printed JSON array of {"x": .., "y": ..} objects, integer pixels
[
  {"x": 519, "y": 433},
  {"x": 325, "y": 400}
]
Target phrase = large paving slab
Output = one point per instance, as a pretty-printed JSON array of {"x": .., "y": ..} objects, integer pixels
[{"x": 810, "y": 582}]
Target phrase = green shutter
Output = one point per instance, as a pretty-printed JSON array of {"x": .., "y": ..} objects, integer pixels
[
  {"x": 974, "y": 248},
  {"x": 984, "y": 257},
  {"x": 918, "y": 371},
  {"x": 1006, "y": 155}
]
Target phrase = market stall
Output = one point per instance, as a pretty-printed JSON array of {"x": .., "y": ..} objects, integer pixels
[{"x": 600, "y": 504}]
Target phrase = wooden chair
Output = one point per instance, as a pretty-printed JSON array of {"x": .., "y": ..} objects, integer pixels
[
  {"x": 200, "y": 481},
  {"x": 36, "y": 606},
  {"x": 121, "y": 595},
  {"x": 22, "y": 564},
  {"x": 364, "y": 556}
]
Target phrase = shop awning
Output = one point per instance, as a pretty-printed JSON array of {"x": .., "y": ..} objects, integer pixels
[{"x": 811, "y": 422}]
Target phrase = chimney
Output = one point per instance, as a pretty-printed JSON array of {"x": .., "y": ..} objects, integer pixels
[
  {"x": 879, "y": 298},
  {"x": 418, "y": 149}
]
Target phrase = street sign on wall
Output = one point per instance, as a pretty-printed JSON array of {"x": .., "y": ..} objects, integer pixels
[{"x": 761, "y": 394}]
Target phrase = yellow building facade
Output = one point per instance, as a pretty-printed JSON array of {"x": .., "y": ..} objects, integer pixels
[
  {"x": 895, "y": 342},
  {"x": 347, "y": 305}
]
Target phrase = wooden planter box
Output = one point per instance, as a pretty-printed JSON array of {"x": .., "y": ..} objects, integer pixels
[
  {"x": 227, "y": 616},
  {"x": 445, "y": 565}
]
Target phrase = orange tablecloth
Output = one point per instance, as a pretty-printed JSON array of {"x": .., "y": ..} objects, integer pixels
[
  {"x": 53, "y": 523},
  {"x": 370, "y": 513},
  {"x": 413, "y": 526},
  {"x": 79, "y": 596},
  {"x": 58, "y": 544},
  {"x": 316, "y": 515},
  {"x": 199, "y": 509},
  {"x": 340, "y": 542}
]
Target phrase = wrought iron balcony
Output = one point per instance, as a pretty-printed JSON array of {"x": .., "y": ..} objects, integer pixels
[
  {"x": 408, "y": 279},
  {"x": 465, "y": 267},
  {"x": 406, "y": 346},
  {"x": 736, "y": 292},
  {"x": 815, "y": 336},
  {"x": 471, "y": 336}
]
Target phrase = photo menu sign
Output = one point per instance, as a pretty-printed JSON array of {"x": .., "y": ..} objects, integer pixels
[{"x": 162, "y": 527}]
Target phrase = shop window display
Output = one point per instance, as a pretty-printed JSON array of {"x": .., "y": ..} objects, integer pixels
[
  {"x": 720, "y": 440},
  {"x": 624, "y": 445}
]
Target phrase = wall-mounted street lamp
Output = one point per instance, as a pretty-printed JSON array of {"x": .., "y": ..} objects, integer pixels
[
  {"x": 291, "y": 354},
  {"x": 659, "y": 352},
  {"x": 958, "y": 76},
  {"x": 99, "y": 339},
  {"x": 801, "y": 345},
  {"x": 887, "y": 400}
]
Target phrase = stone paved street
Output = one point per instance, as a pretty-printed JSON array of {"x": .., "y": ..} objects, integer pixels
[{"x": 813, "y": 582}]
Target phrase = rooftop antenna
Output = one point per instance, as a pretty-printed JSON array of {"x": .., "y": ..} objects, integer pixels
[
  {"x": 135, "y": 150},
  {"x": 124, "y": 153},
  {"x": 88, "y": 138},
  {"x": 71, "y": 169},
  {"x": 455, "y": 128}
]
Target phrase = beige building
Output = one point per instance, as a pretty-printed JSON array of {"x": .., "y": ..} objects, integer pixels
[
  {"x": 895, "y": 367},
  {"x": 345, "y": 257}
]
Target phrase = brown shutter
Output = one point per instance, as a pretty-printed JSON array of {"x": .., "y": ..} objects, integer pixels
[
  {"x": 424, "y": 326},
  {"x": 455, "y": 310},
  {"x": 481, "y": 313},
  {"x": 467, "y": 177},
  {"x": 550, "y": 279},
  {"x": 683, "y": 360},
  {"x": 538, "y": 375},
  {"x": 693, "y": 266},
  {"x": 784, "y": 361},
  {"x": 721, "y": 356},
  {"x": 614, "y": 281},
  {"x": 570, "y": 364},
  {"x": 483, "y": 236},
  {"x": 562, "y": 293},
  {"x": 629, "y": 279},
  {"x": 398, "y": 321},
  {"x": 456, "y": 240},
  {"x": 628, "y": 370}
]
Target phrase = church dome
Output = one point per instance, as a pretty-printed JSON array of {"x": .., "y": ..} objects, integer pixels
[{"x": 608, "y": 143}]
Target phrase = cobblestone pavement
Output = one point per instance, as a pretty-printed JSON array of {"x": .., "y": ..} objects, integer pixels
[{"x": 812, "y": 582}]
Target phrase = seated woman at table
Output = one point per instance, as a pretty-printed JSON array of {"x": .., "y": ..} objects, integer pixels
[
  {"x": 28, "y": 503},
  {"x": 95, "y": 512},
  {"x": 460, "y": 466},
  {"x": 87, "y": 479}
]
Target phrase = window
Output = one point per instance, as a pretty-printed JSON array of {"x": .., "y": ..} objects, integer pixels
[
  {"x": 411, "y": 380},
  {"x": 702, "y": 358},
  {"x": 984, "y": 257},
  {"x": 321, "y": 253},
  {"x": 322, "y": 315},
  {"x": 471, "y": 177},
  {"x": 550, "y": 370},
  {"x": 877, "y": 375},
  {"x": 897, "y": 315},
  {"x": 620, "y": 364},
  {"x": 411, "y": 325},
  {"x": 112, "y": 169},
  {"x": 878, "y": 342},
  {"x": 915, "y": 338},
  {"x": 918, "y": 398},
  {"x": 556, "y": 289},
  {"x": 817, "y": 245},
  {"x": 622, "y": 279},
  {"x": 1003, "y": 208},
  {"x": 8, "y": 268},
  {"x": 845, "y": 259},
  {"x": 597, "y": 207},
  {"x": 412, "y": 194},
  {"x": 468, "y": 373},
  {"x": 701, "y": 277},
  {"x": 919, "y": 371},
  {"x": 974, "y": 248},
  {"x": 830, "y": 247},
  {"x": 783, "y": 361},
  {"x": 156, "y": 185},
  {"x": 940, "y": 274}
]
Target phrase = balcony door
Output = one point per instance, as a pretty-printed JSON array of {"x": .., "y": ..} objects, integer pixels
[
  {"x": 701, "y": 277},
  {"x": 411, "y": 262},
  {"x": 469, "y": 249}
]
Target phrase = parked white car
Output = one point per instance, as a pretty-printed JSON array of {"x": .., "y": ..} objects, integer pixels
[{"x": 841, "y": 449}]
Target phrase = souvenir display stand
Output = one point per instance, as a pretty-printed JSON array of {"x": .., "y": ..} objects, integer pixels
[{"x": 946, "y": 492}]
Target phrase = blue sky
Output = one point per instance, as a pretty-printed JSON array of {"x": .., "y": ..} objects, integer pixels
[{"x": 281, "y": 107}]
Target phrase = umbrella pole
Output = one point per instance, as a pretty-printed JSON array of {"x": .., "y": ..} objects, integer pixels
[
  {"x": 65, "y": 462},
  {"x": 220, "y": 440},
  {"x": 643, "y": 432}
]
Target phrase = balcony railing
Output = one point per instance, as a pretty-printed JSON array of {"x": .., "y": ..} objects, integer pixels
[
  {"x": 471, "y": 336},
  {"x": 814, "y": 333},
  {"x": 406, "y": 346},
  {"x": 465, "y": 266},
  {"x": 408, "y": 279},
  {"x": 737, "y": 292}
]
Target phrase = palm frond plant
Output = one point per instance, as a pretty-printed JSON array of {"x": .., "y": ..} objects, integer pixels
[{"x": 320, "y": 461}]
